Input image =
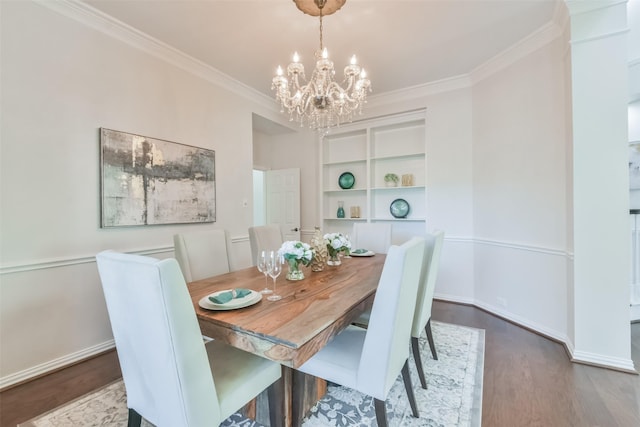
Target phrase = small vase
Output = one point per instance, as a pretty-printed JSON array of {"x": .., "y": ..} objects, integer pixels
[
  {"x": 294, "y": 273},
  {"x": 340, "y": 212},
  {"x": 334, "y": 258}
]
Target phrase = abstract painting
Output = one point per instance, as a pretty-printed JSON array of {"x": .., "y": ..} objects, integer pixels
[{"x": 149, "y": 181}]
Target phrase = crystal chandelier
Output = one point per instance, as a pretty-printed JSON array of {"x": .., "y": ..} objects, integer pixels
[{"x": 321, "y": 103}]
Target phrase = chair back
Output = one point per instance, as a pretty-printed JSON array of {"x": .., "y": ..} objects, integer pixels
[
  {"x": 386, "y": 345},
  {"x": 430, "y": 265},
  {"x": 375, "y": 236},
  {"x": 202, "y": 254},
  {"x": 164, "y": 363},
  {"x": 264, "y": 237}
]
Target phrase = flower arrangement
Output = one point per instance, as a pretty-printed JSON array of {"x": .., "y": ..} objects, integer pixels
[
  {"x": 296, "y": 253},
  {"x": 336, "y": 243}
]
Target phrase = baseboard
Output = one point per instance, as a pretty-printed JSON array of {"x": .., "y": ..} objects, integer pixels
[
  {"x": 54, "y": 365},
  {"x": 584, "y": 358},
  {"x": 614, "y": 363}
]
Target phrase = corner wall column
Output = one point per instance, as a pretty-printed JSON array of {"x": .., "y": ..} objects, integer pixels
[{"x": 599, "y": 76}]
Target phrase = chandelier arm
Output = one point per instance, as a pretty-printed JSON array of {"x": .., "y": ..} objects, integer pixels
[{"x": 334, "y": 88}]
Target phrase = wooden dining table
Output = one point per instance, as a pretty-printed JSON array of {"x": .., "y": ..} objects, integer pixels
[{"x": 289, "y": 331}]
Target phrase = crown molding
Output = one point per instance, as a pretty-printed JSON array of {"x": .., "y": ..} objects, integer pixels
[
  {"x": 93, "y": 18},
  {"x": 419, "y": 91},
  {"x": 534, "y": 41}
]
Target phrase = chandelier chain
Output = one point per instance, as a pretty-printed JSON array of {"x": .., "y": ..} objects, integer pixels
[{"x": 321, "y": 42}]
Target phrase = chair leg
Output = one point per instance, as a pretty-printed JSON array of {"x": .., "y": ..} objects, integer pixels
[
  {"x": 432, "y": 345},
  {"x": 409, "y": 387},
  {"x": 415, "y": 346},
  {"x": 135, "y": 419},
  {"x": 276, "y": 403},
  {"x": 381, "y": 412}
]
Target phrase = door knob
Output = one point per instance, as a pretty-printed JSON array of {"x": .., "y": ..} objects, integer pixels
[{"x": 295, "y": 229}]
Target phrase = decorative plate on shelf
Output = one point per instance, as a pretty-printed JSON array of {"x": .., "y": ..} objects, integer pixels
[
  {"x": 346, "y": 180},
  {"x": 399, "y": 208}
]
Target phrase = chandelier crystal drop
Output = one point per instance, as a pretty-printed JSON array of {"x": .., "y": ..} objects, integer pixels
[{"x": 321, "y": 103}]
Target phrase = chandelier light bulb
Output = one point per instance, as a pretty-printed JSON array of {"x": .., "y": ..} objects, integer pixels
[
  {"x": 363, "y": 74},
  {"x": 296, "y": 57},
  {"x": 354, "y": 61},
  {"x": 279, "y": 71},
  {"x": 325, "y": 54}
]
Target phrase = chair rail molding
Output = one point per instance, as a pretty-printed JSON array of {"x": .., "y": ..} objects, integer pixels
[{"x": 42, "y": 264}]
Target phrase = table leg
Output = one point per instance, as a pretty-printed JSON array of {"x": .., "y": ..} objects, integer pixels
[{"x": 306, "y": 390}]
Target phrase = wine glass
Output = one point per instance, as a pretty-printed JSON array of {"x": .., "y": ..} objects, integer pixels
[
  {"x": 264, "y": 265},
  {"x": 276, "y": 262}
]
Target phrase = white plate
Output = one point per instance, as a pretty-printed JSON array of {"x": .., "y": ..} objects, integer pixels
[
  {"x": 368, "y": 253},
  {"x": 245, "y": 301}
]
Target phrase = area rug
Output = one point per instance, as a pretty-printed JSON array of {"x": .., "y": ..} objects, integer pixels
[{"x": 453, "y": 397}]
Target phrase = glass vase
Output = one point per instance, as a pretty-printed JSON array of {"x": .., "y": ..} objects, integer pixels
[
  {"x": 340, "y": 212},
  {"x": 334, "y": 258},
  {"x": 294, "y": 273}
]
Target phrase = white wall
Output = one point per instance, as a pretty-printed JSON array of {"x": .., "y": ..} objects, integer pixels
[{"x": 519, "y": 175}]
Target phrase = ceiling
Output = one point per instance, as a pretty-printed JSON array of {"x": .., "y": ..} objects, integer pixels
[{"x": 401, "y": 43}]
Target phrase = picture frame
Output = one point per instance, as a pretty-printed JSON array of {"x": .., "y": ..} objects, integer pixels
[{"x": 150, "y": 181}]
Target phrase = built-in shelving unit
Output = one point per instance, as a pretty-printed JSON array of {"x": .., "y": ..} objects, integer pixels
[{"x": 370, "y": 150}]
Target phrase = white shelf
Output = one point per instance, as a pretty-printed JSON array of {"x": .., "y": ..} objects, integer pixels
[
  {"x": 400, "y": 157},
  {"x": 399, "y": 187},
  {"x": 370, "y": 150},
  {"x": 344, "y": 219},
  {"x": 399, "y": 219},
  {"x": 345, "y": 190},
  {"x": 346, "y": 162}
]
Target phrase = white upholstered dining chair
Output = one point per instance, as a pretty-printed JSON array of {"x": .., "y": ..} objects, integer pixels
[
  {"x": 422, "y": 316},
  {"x": 424, "y": 301},
  {"x": 264, "y": 237},
  {"x": 202, "y": 254},
  {"x": 171, "y": 377},
  {"x": 374, "y": 236},
  {"x": 370, "y": 360}
]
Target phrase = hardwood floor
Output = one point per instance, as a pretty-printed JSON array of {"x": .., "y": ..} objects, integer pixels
[{"x": 528, "y": 381}]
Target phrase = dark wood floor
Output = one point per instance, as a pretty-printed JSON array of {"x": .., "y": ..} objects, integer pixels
[{"x": 528, "y": 381}]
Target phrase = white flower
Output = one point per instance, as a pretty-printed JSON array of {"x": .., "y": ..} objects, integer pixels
[
  {"x": 338, "y": 242},
  {"x": 293, "y": 249}
]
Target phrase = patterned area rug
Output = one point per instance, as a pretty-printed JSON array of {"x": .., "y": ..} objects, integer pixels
[{"x": 453, "y": 397}]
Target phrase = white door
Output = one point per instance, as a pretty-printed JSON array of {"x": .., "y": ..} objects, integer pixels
[{"x": 283, "y": 201}]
